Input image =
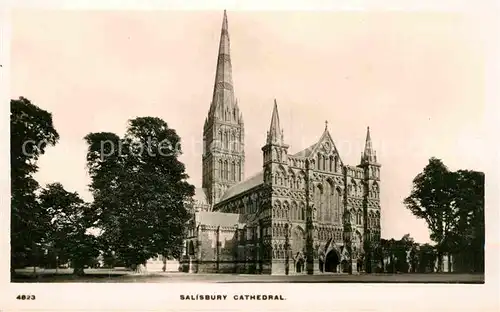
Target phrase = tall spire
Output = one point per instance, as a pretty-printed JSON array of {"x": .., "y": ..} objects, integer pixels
[
  {"x": 223, "y": 132},
  {"x": 223, "y": 97},
  {"x": 369, "y": 153},
  {"x": 224, "y": 73},
  {"x": 275, "y": 134}
]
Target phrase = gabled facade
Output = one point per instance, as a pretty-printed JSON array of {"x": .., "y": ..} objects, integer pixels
[{"x": 306, "y": 212}]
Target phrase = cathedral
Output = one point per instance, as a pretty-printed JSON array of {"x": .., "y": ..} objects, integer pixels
[{"x": 303, "y": 213}]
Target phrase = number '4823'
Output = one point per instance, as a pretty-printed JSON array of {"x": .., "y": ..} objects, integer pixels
[{"x": 25, "y": 297}]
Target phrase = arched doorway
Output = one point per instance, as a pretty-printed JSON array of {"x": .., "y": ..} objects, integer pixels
[
  {"x": 299, "y": 265},
  {"x": 332, "y": 260},
  {"x": 190, "y": 248}
]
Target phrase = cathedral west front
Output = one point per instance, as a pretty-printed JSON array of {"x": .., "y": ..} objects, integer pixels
[{"x": 303, "y": 213}]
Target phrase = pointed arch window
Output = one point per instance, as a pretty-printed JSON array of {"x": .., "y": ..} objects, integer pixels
[
  {"x": 318, "y": 161},
  {"x": 225, "y": 170},
  {"x": 286, "y": 210},
  {"x": 238, "y": 171},
  {"x": 233, "y": 142},
  {"x": 237, "y": 141},
  {"x": 233, "y": 171},
  {"x": 319, "y": 202},
  {"x": 327, "y": 200},
  {"x": 339, "y": 204},
  {"x": 301, "y": 180}
]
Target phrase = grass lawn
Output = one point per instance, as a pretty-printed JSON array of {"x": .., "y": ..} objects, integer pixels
[{"x": 123, "y": 276}]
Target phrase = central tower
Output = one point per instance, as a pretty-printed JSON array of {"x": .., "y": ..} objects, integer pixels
[{"x": 223, "y": 159}]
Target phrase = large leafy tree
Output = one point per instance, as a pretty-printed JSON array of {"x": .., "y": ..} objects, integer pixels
[
  {"x": 467, "y": 235},
  {"x": 70, "y": 220},
  {"x": 452, "y": 203},
  {"x": 139, "y": 189},
  {"x": 431, "y": 199},
  {"x": 31, "y": 130}
]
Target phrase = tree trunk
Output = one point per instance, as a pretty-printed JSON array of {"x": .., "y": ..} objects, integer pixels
[
  {"x": 439, "y": 268},
  {"x": 140, "y": 269},
  {"x": 449, "y": 263},
  {"x": 78, "y": 270}
]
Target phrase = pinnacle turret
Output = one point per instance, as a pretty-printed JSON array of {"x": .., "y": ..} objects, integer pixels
[
  {"x": 275, "y": 133},
  {"x": 369, "y": 154}
]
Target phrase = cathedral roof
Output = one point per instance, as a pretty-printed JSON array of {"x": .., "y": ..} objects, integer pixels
[
  {"x": 306, "y": 152},
  {"x": 243, "y": 186},
  {"x": 200, "y": 196},
  {"x": 215, "y": 218}
]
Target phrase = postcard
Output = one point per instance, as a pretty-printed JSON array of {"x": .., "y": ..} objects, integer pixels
[{"x": 230, "y": 158}]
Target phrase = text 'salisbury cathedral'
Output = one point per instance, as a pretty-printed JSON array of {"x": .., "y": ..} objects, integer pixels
[{"x": 303, "y": 213}]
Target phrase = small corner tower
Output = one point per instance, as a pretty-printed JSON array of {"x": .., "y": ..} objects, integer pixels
[
  {"x": 275, "y": 151},
  {"x": 371, "y": 201},
  {"x": 369, "y": 159}
]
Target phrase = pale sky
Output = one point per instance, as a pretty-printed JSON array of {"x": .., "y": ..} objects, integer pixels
[{"x": 415, "y": 78}]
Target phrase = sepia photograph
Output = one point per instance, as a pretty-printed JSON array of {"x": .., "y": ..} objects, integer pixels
[{"x": 226, "y": 146}]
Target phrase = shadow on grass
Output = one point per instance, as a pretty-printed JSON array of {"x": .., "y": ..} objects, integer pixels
[
  {"x": 353, "y": 282},
  {"x": 47, "y": 278},
  {"x": 127, "y": 277}
]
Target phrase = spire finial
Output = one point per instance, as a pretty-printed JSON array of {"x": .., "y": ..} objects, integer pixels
[
  {"x": 224, "y": 21},
  {"x": 275, "y": 131},
  {"x": 326, "y": 125},
  {"x": 369, "y": 152}
]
